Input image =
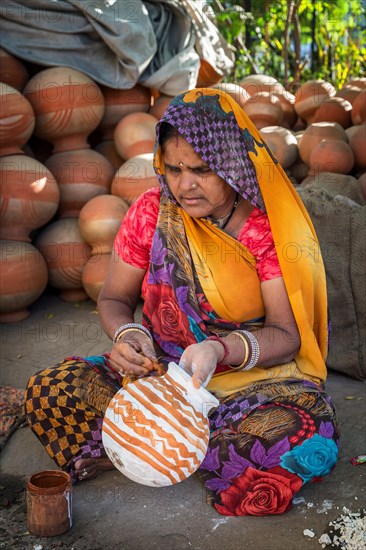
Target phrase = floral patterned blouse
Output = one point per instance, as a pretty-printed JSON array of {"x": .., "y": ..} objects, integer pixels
[{"x": 134, "y": 238}]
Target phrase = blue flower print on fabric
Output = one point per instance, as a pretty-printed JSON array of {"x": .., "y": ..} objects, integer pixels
[{"x": 316, "y": 457}]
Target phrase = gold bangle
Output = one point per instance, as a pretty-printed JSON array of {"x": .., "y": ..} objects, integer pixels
[
  {"x": 246, "y": 353},
  {"x": 128, "y": 330}
]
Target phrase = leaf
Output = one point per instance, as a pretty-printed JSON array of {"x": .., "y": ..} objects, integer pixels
[
  {"x": 48, "y": 315},
  {"x": 326, "y": 429},
  {"x": 217, "y": 484},
  {"x": 258, "y": 453}
]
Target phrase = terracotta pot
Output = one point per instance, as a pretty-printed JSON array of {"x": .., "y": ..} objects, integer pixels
[
  {"x": 66, "y": 254},
  {"x": 135, "y": 135},
  {"x": 358, "y": 146},
  {"x": 287, "y": 101},
  {"x": 310, "y": 96},
  {"x": 238, "y": 93},
  {"x": 349, "y": 93},
  {"x": 359, "y": 82},
  {"x": 156, "y": 430},
  {"x": 23, "y": 278},
  {"x": 299, "y": 170},
  {"x": 299, "y": 126},
  {"x": 81, "y": 175},
  {"x": 160, "y": 105},
  {"x": 94, "y": 274},
  {"x": 334, "y": 109},
  {"x": 317, "y": 131},
  {"x": 12, "y": 71},
  {"x": 359, "y": 109},
  {"x": 282, "y": 143},
  {"x": 135, "y": 176},
  {"x": 119, "y": 103},
  {"x": 68, "y": 107},
  {"x": 264, "y": 109},
  {"x": 29, "y": 196},
  {"x": 331, "y": 156},
  {"x": 16, "y": 120},
  {"x": 257, "y": 83},
  {"x": 109, "y": 151},
  {"x": 99, "y": 221},
  {"x": 207, "y": 76}
]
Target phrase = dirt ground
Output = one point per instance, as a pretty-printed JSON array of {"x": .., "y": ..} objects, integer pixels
[{"x": 112, "y": 512}]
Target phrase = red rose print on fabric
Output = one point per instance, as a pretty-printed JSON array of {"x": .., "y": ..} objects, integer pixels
[{"x": 258, "y": 493}]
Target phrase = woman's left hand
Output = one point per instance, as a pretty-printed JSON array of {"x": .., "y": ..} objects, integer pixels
[{"x": 200, "y": 361}]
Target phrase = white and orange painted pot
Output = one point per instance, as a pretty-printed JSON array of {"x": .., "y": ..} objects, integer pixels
[{"x": 156, "y": 430}]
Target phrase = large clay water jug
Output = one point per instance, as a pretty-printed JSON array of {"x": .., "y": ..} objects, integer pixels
[{"x": 156, "y": 429}]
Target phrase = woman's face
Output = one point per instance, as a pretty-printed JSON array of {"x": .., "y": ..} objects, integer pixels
[{"x": 199, "y": 191}]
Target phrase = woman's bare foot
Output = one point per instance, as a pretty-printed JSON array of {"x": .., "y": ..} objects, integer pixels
[{"x": 89, "y": 468}]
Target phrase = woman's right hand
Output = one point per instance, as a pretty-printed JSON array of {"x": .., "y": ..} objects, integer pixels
[{"x": 133, "y": 354}]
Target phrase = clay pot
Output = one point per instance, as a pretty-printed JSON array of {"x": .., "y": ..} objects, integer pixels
[
  {"x": 109, "y": 151},
  {"x": 119, "y": 103},
  {"x": 334, "y": 109},
  {"x": 264, "y": 109},
  {"x": 23, "y": 278},
  {"x": 299, "y": 170},
  {"x": 358, "y": 146},
  {"x": 12, "y": 71},
  {"x": 349, "y": 93},
  {"x": 81, "y": 175},
  {"x": 16, "y": 120},
  {"x": 156, "y": 431},
  {"x": 135, "y": 176},
  {"x": 66, "y": 254},
  {"x": 135, "y": 135},
  {"x": 359, "y": 109},
  {"x": 68, "y": 107},
  {"x": 99, "y": 221},
  {"x": 282, "y": 143},
  {"x": 310, "y": 96},
  {"x": 287, "y": 101},
  {"x": 94, "y": 274},
  {"x": 331, "y": 156},
  {"x": 238, "y": 93},
  {"x": 29, "y": 196},
  {"x": 160, "y": 105},
  {"x": 257, "y": 83},
  {"x": 317, "y": 131},
  {"x": 359, "y": 82},
  {"x": 207, "y": 76}
]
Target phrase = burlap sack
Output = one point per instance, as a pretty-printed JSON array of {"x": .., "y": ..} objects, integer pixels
[{"x": 340, "y": 222}]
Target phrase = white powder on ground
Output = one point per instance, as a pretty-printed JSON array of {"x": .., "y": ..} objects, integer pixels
[{"x": 348, "y": 531}]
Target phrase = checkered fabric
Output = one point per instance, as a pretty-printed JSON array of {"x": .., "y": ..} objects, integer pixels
[
  {"x": 217, "y": 138},
  {"x": 64, "y": 406}
]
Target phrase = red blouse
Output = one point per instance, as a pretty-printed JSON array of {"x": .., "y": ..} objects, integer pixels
[{"x": 134, "y": 238}]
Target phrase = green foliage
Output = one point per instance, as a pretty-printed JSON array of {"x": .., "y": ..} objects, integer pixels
[{"x": 332, "y": 38}]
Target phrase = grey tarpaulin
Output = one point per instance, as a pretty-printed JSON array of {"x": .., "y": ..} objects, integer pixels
[{"x": 116, "y": 42}]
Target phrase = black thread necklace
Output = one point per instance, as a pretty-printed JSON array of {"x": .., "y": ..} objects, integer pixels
[{"x": 222, "y": 222}]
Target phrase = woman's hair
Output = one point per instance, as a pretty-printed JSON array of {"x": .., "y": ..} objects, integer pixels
[{"x": 166, "y": 132}]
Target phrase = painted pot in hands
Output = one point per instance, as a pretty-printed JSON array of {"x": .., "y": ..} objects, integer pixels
[{"x": 156, "y": 430}]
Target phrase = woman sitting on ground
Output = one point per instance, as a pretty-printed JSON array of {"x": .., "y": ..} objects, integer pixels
[{"x": 228, "y": 264}]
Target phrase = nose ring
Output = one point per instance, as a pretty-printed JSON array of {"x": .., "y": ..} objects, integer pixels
[
  {"x": 181, "y": 164},
  {"x": 194, "y": 186}
]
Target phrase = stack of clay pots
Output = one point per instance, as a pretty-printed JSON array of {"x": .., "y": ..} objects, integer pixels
[
  {"x": 315, "y": 130},
  {"x": 29, "y": 197},
  {"x": 74, "y": 156}
]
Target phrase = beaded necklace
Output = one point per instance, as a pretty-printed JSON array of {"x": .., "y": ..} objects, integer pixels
[{"x": 222, "y": 222}]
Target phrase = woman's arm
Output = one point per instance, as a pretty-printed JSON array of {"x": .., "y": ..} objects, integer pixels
[
  {"x": 279, "y": 339},
  {"x": 117, "y": 304}
]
